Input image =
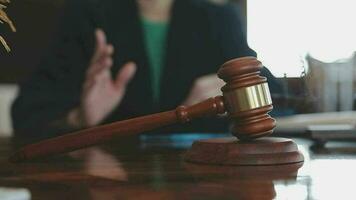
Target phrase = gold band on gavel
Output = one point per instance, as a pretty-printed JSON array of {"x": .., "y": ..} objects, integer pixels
[{"x": 248, "y": 98}]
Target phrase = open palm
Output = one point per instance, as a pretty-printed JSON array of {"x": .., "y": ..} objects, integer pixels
[{"x": 101, "y": 94}]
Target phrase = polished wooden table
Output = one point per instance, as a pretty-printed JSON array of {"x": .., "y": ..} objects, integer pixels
[{"x": 152, "y": 167}]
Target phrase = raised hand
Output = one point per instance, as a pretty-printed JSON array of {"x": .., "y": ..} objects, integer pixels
[{"x": 101, "y": 94}]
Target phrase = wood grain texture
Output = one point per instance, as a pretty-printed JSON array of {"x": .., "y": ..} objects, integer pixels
[
  {"x": 231, "y": 151},
  {"x": 100, "y": 134},
  {"x": 160, "y": 173},
  {"x": 241, "y": 73}
]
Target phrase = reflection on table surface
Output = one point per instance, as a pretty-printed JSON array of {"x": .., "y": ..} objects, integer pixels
[{"x": 153, "y": 168}]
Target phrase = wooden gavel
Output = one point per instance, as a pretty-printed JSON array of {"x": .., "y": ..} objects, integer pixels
[{"x": 246, "y": 98}]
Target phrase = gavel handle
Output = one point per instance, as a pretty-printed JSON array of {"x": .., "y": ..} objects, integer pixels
[{"x": 99, "y": 134}]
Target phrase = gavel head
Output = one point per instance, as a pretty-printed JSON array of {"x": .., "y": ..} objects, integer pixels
[{"x": 247, "y": 98}]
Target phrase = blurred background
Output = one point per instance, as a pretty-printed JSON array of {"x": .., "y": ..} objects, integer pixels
[{"x": 308, "y": 44}]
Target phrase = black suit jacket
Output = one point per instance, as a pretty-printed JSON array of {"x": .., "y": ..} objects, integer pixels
[{"x": 201, "y": 37}]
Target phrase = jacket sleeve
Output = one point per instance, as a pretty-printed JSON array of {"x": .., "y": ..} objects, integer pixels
[
  {"x": 54, "y": 89},
  {"x": 232, "y": 41}
]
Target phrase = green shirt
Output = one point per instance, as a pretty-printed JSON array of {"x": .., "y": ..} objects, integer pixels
[{"x": 155, "y": 34}]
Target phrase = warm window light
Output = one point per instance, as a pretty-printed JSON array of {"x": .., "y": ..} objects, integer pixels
[{"x": 284, "y": 31}]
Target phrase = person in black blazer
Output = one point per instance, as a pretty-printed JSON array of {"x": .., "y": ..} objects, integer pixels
[{"x": 89, "y": 79}]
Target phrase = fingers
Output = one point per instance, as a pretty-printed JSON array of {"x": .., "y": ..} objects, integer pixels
[
  {"x": 100, "y": 45},
  {"x": 101, "y": 59},
  {"x": 104, "y": 63},
  {"x": 125, "y": 74}
]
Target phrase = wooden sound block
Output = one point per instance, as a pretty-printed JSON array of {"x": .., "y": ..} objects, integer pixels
[{"x": 231, "y": 151}]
